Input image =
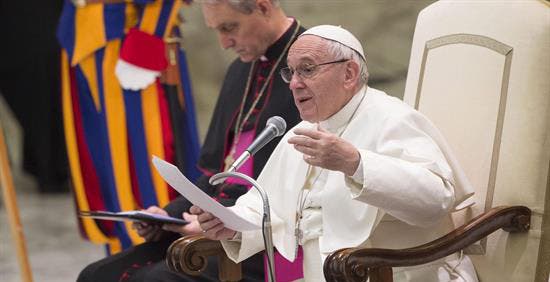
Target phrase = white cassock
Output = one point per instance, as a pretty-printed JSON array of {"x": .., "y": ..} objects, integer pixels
[{"x": 407, "y": 184}]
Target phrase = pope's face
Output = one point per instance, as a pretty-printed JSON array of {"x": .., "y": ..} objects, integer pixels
[
  {"x": 320, "y": 95},
  {"x": 243, "y": 33}
]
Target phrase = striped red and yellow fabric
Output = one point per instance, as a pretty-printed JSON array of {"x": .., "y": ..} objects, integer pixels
[{"x": 111, "y": 133}]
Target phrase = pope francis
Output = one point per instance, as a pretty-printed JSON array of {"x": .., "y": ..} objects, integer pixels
[{"x": 361, "y": 169}]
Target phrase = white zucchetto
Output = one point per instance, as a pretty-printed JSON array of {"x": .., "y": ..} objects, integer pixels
[{"x": 338, "y": 34}]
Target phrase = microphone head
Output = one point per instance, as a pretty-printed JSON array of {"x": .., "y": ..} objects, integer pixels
[{"x": 278, "y": 123}]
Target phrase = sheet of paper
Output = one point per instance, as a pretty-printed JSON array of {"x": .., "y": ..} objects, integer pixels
[{"x": 171, "y": 174}]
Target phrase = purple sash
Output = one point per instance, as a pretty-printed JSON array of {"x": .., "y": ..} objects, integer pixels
[
  {"x": 285, "y": 271},
  {"x": 245, "y": 139}
]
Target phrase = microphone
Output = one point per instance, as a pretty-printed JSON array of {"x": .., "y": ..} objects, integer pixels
[{"x": 274, "y": 127}]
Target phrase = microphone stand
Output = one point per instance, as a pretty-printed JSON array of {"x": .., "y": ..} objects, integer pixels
[{"x": 266, "y": 220}]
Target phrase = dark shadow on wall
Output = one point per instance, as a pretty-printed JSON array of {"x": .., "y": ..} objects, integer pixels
[{"x": 30, "y": 84}]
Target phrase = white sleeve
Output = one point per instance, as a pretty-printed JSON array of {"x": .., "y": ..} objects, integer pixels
[
  {"x": 358, "y": 174},
  {"x": 406, "y": 175},
  {"x": 239, "y": 250},
  {"x": 249, "y": 206}
]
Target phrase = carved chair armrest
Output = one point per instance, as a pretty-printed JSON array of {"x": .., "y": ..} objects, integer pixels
[
  {"x": 189, "y": 255},
  {"x": 358, "y": 264}
]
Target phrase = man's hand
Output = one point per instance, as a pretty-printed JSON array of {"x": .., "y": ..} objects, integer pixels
[
  {"x": 211, "y": 226},
  {"x": 326, "y": 150},
  {"x": 192, "y": 227},
  {"x": 150, "y": 232}
]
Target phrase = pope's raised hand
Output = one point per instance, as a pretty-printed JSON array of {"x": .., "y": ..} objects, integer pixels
[{"x": 326, "y": 150}]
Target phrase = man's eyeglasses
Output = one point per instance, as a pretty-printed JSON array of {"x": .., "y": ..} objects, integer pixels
[{"x": 305, "y": 70}]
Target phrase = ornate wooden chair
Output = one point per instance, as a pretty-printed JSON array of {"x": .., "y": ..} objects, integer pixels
[
  {"x": 478, "y": 70},
  {"x": 190, "y": 254}
]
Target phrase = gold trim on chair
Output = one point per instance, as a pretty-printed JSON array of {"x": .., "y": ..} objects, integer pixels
[
  {"x": 507, "y": 52},
  {"x": 471, "y": 39},
  {"x": 543, "y": 262}
]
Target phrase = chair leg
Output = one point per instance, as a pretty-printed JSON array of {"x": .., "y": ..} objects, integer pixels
[
  {"x": 381, "y": 274},
  {"x": 228, "y": 270},
  {"x": 8, "y": 193}
]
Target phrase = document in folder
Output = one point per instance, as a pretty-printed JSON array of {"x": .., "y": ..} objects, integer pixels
[
  {"x": 171, "y": 174},
  {"x": 141, "y": 216}
]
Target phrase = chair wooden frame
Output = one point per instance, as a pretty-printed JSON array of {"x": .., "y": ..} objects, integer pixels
[
  {"x": 358, "y": 264},
  {"x": 189, "y": 254}
]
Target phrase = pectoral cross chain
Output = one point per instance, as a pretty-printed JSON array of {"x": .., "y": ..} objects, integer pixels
[
  {"x": 298, "y": 233},
  {"x": 229, "y": 160}
]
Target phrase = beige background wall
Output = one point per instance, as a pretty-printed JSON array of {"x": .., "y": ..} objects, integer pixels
[{"x": 384, "y": 27}]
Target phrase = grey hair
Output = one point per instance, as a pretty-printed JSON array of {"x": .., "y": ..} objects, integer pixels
[
  {"x": 243, "y": 6},
  {"x": 340, "y": 51}
]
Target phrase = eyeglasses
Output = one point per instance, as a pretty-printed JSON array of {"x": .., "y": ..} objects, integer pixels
[{"x": 305, "y": 70}]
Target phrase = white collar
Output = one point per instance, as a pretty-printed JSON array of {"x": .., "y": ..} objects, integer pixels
[{"x": 343, "y": 116}]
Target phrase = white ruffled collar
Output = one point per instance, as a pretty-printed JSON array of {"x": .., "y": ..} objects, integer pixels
[{"x": 337, "y": 121}]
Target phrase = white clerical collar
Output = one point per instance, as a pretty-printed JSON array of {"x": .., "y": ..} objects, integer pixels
[{"x": 342, "y": 117}]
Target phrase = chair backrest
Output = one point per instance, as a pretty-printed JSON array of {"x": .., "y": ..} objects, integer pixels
[{"x": 480, "y": 70}]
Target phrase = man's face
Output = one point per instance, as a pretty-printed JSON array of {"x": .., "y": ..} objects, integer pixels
[
  {"x": 244, "y": 33},
  {"x": 321, "y": 95}
]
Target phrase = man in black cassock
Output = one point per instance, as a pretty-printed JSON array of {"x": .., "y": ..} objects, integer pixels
[{"x": 260, "y": 33}]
